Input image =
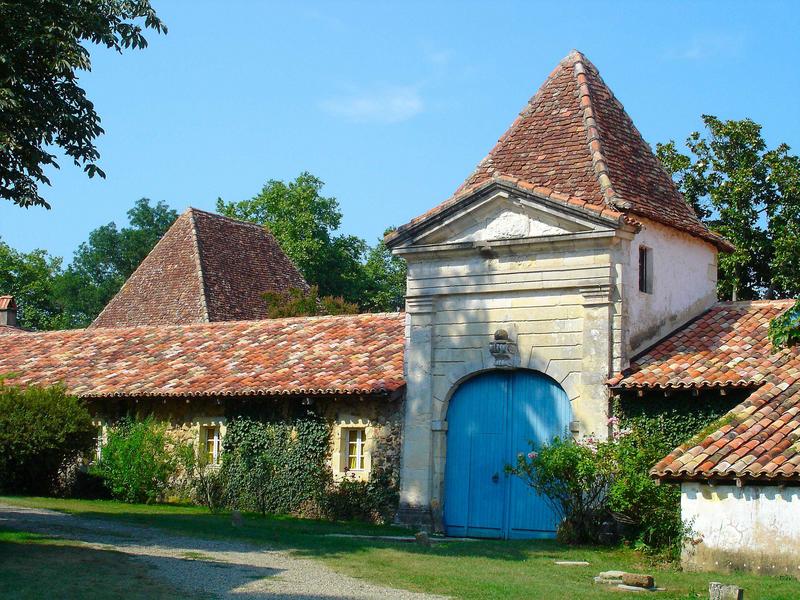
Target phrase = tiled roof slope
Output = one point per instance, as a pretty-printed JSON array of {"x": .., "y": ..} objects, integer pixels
[
  {"x": 758, "y": 440},
  {"x": 206, "y": 268},
  {"x": 350, "y": 354},
  {"x": 7, "y": 303},
  {"x": 728, "y": 346},
  {"x": 725, "y": 346},
  {"x": 575, "y": 139}
]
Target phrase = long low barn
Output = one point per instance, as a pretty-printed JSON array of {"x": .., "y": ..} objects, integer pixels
[{"x": 350, "y": 367}]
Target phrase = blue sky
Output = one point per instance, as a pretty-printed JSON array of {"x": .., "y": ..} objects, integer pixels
[{"x": 391, "y": 104}]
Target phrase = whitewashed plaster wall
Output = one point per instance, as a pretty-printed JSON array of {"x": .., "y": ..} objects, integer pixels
[
  {"x": 684, "y": 283},
  {"x": 755, "y": 528}
]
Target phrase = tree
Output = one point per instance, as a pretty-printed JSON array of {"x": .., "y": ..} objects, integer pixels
[
  {"x": 305, "y": 223},
  {"x": 751, "y": 196},
  {"x": 30, "y": 277},
  {"x": 103, "y": 263},
  {"x": 784, "y": 330},
  {"x": 300, "y": 303},
  {"x": 41, "y": 104},
  {"x": 385, "y": 279}
]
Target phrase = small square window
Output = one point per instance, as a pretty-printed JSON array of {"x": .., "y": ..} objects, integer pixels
[
  {"x": 355, "y": 438},
  {"x": 645, "y": 270},
  {"x": 212, "y": 444}
]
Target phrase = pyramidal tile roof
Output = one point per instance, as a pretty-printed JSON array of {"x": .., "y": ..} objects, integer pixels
[
  {"x": 206, "y": 268},
  {"x": 575, "y": 142}
]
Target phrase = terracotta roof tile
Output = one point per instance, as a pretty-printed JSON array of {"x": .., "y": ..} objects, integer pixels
[
  {"x": 726, "y": 345},
  {"x": 574, "y": 140},
  {"x": 349, "y": 354},
  {"x": 206, "y": 268},
  {"x": 762, "y": 446}
]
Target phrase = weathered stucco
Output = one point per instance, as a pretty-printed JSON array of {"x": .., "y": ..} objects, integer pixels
[
  {"x": 755, "y": 528},
  {"x": 684, "y": 283}
]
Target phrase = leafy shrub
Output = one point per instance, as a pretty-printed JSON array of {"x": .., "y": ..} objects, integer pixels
[
  {"x": 206, "y": 484},
  {"x": 297, "y": 302},
  {"x": 573, "y": 477},
  {"x": 652, "y": 510},
  {"x": 42, "y": 431},
  {"x": 784, "y": 330},
  {"x": 277, "y": 464},
  {"x": 374, "y": 500},
  {"x": 655, "y": 427},
  {"x": 138, "y": 462}
]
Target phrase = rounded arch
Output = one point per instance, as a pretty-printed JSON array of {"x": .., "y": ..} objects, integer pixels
[
  {"x": 467, "y": 370},
  {"x": 493, "y": 415}
]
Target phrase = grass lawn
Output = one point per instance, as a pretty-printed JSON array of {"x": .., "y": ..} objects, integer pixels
[
  {"x": 34, "y": 566},
  {"x": 485, "y": 569}
]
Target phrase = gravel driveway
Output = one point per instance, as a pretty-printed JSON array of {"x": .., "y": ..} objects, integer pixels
[{"x": 205, "y": 567}]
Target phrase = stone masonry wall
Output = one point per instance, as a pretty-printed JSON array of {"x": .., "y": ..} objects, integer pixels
[{"x": 380, "y": 417}]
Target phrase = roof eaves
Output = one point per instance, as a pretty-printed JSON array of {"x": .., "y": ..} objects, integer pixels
[{"x": 605, "y": 213}]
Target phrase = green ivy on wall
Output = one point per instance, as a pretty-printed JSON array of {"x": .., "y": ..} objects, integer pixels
[
  {"x": 668, "y": 422},
  {"x": 655, "y": 426},
  {"x": 276, "y": 462}
]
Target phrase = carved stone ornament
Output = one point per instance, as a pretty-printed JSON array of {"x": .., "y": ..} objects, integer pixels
[{"x": 502, "y": 349}]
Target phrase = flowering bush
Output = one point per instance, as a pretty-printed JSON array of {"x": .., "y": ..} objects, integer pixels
[{"x": 573, "y": 477}]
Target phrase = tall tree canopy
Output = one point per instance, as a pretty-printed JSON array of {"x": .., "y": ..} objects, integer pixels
[
  {"x": 102, "y": 264},
  {"x": 749, "y": 194},
  {"x": 31, "y": 278},
  {"x": 385, "y": 276},
  {"x": 305, "y": 224},
  {"x": 42, "y": 107}
]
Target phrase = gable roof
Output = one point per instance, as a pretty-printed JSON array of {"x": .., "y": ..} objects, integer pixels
[
  {"x": 575, "y": 140},
  {"x": 728, "y": 346},
  {"x": 348, "y": 354},
  {"x": 206, "y": 268}
]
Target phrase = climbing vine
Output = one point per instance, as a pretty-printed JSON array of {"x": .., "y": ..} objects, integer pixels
[
  {"x": 275, "y": 464},
  {"x": 655, "y": 426}
]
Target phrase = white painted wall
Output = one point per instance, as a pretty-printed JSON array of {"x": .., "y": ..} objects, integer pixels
[
  {"x": 684, "y": 283},
  {"x": 753, "y": 527}
]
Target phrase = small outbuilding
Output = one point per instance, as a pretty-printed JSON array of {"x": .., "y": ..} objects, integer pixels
[{"x": 740, "y": 481}]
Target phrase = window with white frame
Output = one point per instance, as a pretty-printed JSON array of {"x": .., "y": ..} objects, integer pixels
[
  {"x": 99, "y": 439},
  {"x": 211, "y": 440},
  {"x": 354, "y": 449}
]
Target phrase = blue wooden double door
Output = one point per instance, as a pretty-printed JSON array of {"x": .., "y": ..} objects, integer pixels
[{"x": 491, "y": 419}]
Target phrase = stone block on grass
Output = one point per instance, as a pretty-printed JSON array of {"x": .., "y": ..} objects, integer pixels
[
  {"x": 721, "y": 591},
  {"x": 638, "y": 580}
]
